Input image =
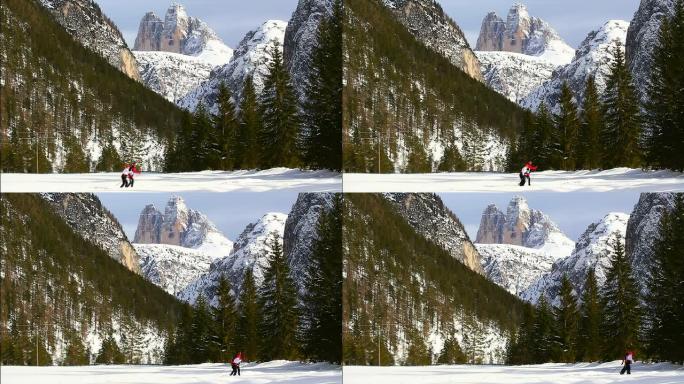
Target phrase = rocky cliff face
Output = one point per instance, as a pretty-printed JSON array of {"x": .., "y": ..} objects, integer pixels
[
  {"x": 251, "y": 58},
  {"x": 643, "y": 229},
  {"x": 642, "y": 36},
  {"x": 593, "y": 250},
  {"x": 172, "y": 267},
  {"x": 84, "y": 20},
  {"x": 90, "y": 219},
  {"x": 522, "y": 226},
  {"x": 301, "y": 38},
  {"x": 179, "y": 33},
  {"x": 301, "y": 229},
  {"x": 181, "y": 226},
  {"x": 426, "y": 20},
  {"x": 593, "y": 58},
  {"x": 521, "y": 33},
  {"x": 252, "y": 250},
  {"x": 428, "y": 215},
  {"x": 171, "y": 75}
]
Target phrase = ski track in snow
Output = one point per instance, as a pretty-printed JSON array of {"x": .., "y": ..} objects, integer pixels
[
  {"x": 281, "y": 179},
  {"x": 662, "y": 373},
  {"x": 546, "y": 181},
  {"x": 271, "y": 372}
]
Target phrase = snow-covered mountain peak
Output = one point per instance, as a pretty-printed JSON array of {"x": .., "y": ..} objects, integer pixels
[
  {"x": 592, "y": 58},
  {"x": 251, "y": 58},
  {"x": 525, "y": 34},
  {"x": 593, "y": 250},
  {"x": 181, "y": 226},
  {"x": 523, "y": 226}
]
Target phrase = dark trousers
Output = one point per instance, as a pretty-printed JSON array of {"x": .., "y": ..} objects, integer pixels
[
  {"x": 523, "y": 177},
  {"x": 627, "y": 368},
  {"x": 130, "y": 182},
  {"x": 124, "y": 181},
  {"x": 236, "y": 370}
]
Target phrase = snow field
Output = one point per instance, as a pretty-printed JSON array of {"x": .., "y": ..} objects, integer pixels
[
  {"x": 282, "y": 179},
  {"x": 278, "y": 371},
  {"x": 547, "y": 181},
  {"x": 662, "y": 373}
]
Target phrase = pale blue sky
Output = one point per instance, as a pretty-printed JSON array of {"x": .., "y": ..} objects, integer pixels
[
  {"x": 573, "y": 20},
  {"x": 231, "y": 19},
  {"x": 572, "y": 212},
  {"x": 230, "y": 212}
]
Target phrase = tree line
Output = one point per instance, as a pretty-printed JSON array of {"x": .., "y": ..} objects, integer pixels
[
  {"x": 614, "y": 129},
  {"x": 608, "y": 320},
  {"x": 273, "y": 320}
]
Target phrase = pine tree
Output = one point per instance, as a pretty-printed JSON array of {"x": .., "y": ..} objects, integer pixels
[
  {"x": 620, "y": 299},
  {"x": 322, "y": 303},
  {"x": 664, "y": 110},
  {"x": 544, "y": 136},
  {"x": 202, "y": 347},
  {"x": 76, "y": 352},
  {"x": 279, "y": 116},
  {"x": 622, "y": 129},
  {"x": 227, "y": 129},
  {"x": 246, "y": 147},
  {"x": 417, "y": 352},
  {"x": 202, "y": 140},
  {"x": 110, "y": 352},
  {"x": 567, "y": 131},
  {"x": 323, "y": 106},
  {"x": 567, "y": 319},
  {"x": 665, "y": 298},
  {"x": 76, "y": 160},
  {"x": 451, "y": 160},
  {"x": 589, "y": 146},
  {"x": 247, "y": 335},
  {"x": 523, "y": 347},
  {"x": 473, "y": 339},
  {"x": 543, "y": 331},
  {"x": 278, "y": 303},
  {"x": 110, "y": 161},
  {"x": 451, "y": 352},
  {"x": 225, "y": 318},
  {"x": 590, "y": 338}
]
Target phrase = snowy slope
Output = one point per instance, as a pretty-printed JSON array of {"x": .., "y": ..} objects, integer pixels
[
  {"x": 593, "y": 58},
  {"x": 282, "y": 179},
  {"x": 172, "y": 267},
  {"x": 277, "y": 371},
  {"x": 251, "y": 58},
  {"x": 514, "y": 75},
  {"x": 522, "y": 33},
  {"x": 514, "y": 267},
  {"x": 557, "y": 181},
  {"x": 593, "y": 250},
  {"x": 251, "y": 251},
  {"x": 584, "y": 373},
  {"x": 171, "y": 75}
]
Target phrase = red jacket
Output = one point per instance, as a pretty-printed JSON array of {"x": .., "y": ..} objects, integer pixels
[{"x": 133, "y": 170}]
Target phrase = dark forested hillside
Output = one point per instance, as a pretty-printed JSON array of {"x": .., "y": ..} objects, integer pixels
[
  {"x": 424, "y": 111},
  {"x": 410, "y": 296},
  {"x": 80, "y": 111},
  {"x": 66, "y": 295}
]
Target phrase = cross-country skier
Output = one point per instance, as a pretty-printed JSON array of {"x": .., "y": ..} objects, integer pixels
[
  {"x": 124, "y": 176},
  {"x": 525, "y": 173},
  {"x": 132, "y": 170},
  {"x": 235, "y": 364},
  {"x": 627, "y": 362}
]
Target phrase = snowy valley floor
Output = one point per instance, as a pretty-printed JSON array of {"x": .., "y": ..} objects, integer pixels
[
  {"x": 548, "y": 181},
  {"x": 281, "y": 179},
  {"x": 270, "y": 372},
  {"x": 545, "y": 373}
]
